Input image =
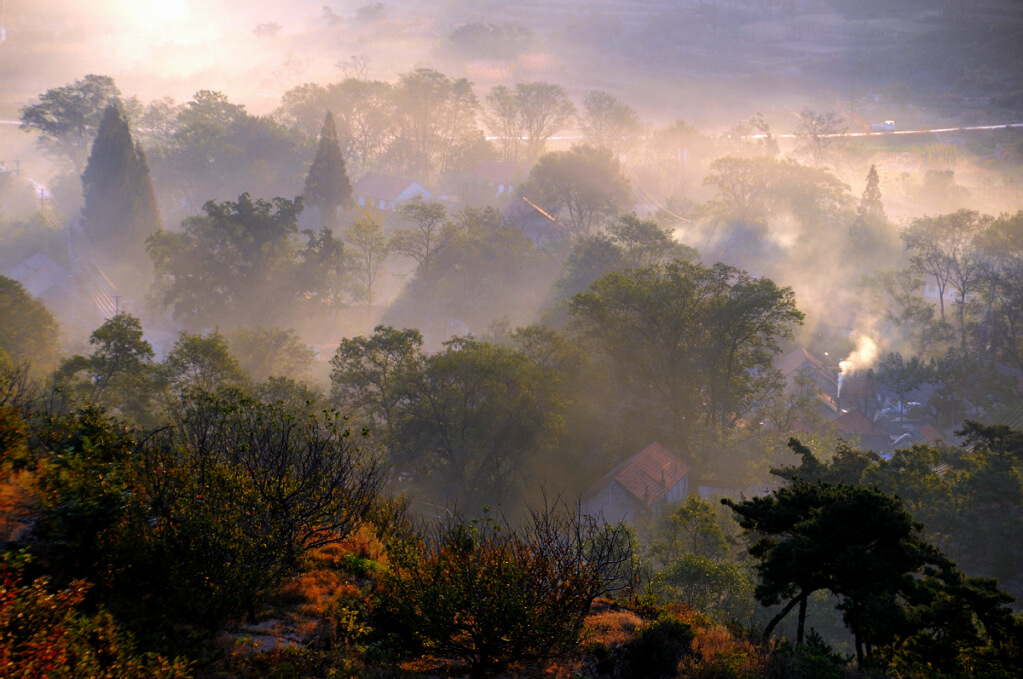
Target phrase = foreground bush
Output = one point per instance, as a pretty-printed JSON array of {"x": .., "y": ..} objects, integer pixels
[
  {"x": 489, "y": 595},
  {"x": 46, "y": 633}
]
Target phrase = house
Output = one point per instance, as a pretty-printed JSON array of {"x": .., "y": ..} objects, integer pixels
[
  {"x": 912, "y": 404},
  {"x": 800, "y": 363},
  {"x": 875, "y": 436},
  {"x": 384, "y": 192},
  {"x": 497, "y": 177},
  {"x": 648, "y": 480},
  {"x": 45, "y": 279}
]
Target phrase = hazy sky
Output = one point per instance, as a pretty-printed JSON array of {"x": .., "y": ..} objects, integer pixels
[{"x": 157, "y": 47}]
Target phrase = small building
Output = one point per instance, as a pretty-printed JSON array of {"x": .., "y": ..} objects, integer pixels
[
  {"x": 44, "y": 278},
  {"x": 876, "y": 436},
  {"x": 800, "y": 363},
  {"x": 647, "y": 481},
  {"x": 498, "y": 177},
  {"x": 384, "y": 192}
]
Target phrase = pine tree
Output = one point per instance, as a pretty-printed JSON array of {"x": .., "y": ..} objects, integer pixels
[
  {"x": 327, "y": 187},
  {"x": 120, "y": 205},
  {"x": 871, "y": 209},
  {"x": 869, "y": 232}
]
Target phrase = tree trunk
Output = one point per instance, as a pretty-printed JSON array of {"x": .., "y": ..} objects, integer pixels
[
  {"x": 802, "y": 620},
  {"x": 778, "y": 618}
]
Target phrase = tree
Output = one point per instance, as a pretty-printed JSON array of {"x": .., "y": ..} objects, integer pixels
[
  {"x": 117, "y": 373},
  {"x": 120, "y": 210},
  {"x": 818, "y": 133},
  {"x": 627, "y": 243},
  {"x": 201, "y": 363},
  {"x": 475, "y": 416},
  {"x": 947, "y": 249},
  {"x": 218, "y": 151},
  {"x": 899, "y": 595},
  {"x": 323, "y": 275},
  {"x": 490, "y": 594},
  {"x": 264, "y": 353},
  {"x": 869, "y": 233},
  {"x": 365, "y": 115},
  {"x": 366, "y": 237},
  {"x": 908, "y": 315},
  {"x": 901, "y": 377},
  {"x": 691, "y": 527},
  {"x": 236, "y": 493},
  {"x": 608, "y": 122},
  {"x": 28, "y": 331},
  {"x": 502, "y": 117},
  {"x": 231, "y": 265},
  {"x": 720, "y": 589},
  {"x": 584, "y": 186},
  {"x": 433, "y": 117},
  {"x": 327, "y": 186},
  {"x": 484, "y": 268},
  {"x": 1003, "y": 285},
  {"x": 693, "y": 342},
  {"x": 817, "y": 536},
  {"x": 742, "y": 185},
  {"x": 544, "y": 109},
  {"x": 372, "y": 377},
  {"x": 420, "y": 242},
  {"x": 187, "y": 527},
  {"x": 67, "y": 118}
]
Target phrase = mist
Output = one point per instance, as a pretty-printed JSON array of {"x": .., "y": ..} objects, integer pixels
[{"x": 526, "y": 248}]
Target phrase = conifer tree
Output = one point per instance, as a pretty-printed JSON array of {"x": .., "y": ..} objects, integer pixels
[
  {"x": 120, "y": 206},
  {"x": 327, "y": 186},
  {"x": 868, "y": 232},
  {"x": 871, "y": 209}
]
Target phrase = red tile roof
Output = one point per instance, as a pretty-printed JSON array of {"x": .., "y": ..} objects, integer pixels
[
  {"x": 381, "y": 186},
  {"x": 650, "y": 474},
  {"x": 931, "y": 434}
]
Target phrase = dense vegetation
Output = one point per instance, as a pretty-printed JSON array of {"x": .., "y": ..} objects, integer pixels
[{"x": 274, "y": 464}]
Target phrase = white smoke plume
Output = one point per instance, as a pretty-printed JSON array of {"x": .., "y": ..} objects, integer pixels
[{"x": 862, "y": 358}]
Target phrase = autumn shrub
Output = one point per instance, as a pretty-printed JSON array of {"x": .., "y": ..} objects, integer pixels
[
  {"x": 720, "y": 654},
  {"x": 47, "y": 634},
  {"x": 489, "y": 595}
]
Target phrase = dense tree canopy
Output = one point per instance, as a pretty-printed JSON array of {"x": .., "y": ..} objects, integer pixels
[
  {"x": 240, "y": 262},
  {"x": 584, "y": 187},
  {"x": 693, "y": 342}
]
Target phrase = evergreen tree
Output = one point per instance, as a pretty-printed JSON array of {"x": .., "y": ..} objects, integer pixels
[
  {"x": 327, "y": 187},
  {"x": 869, "y": 231},
  {"x": 871, "y": 208},
  {"x": 120, "y": 206}
]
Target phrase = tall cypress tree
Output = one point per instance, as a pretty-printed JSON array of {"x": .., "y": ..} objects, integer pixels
[
  {"x": 869, "y": 233},
  {"x": 327, "y": 187},
  {"x": 120, "y": 206}
]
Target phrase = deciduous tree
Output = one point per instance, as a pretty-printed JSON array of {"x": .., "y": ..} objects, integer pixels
[
  {"x": 608, "y": 122},
  {"x": 584, "y": 187},
  {"x": 67, "y": 118}
]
